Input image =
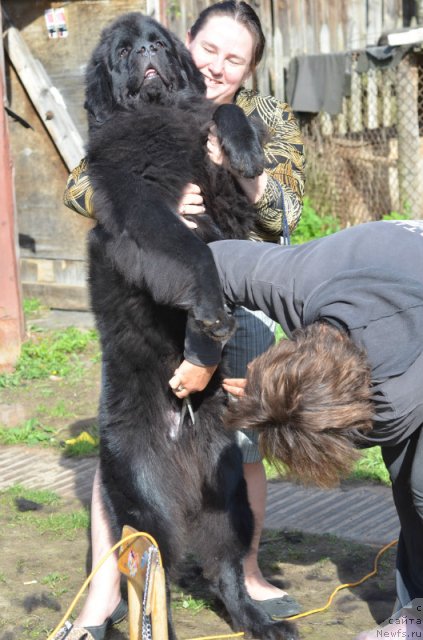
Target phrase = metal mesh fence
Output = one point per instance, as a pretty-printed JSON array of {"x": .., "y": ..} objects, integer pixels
[{"x": 366, "y": 162}]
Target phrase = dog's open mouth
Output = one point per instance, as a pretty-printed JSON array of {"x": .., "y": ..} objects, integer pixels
[
  {"x": 150, "y": 73},
  {"x": 135, "y": 86}
]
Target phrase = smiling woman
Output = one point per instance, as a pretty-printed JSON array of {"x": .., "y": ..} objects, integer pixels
[{"x": 223, "y": 53}]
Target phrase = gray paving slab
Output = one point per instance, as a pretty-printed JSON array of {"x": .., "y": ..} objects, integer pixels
[
  {"x": 58, "y": 319},
  {"x": 360, "y": 512}
]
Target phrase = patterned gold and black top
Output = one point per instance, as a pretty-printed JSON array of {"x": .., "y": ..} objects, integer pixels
[{"x": 284, "y": 166}]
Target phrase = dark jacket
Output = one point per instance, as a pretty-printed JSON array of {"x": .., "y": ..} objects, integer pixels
[{"x": 366, "y": 280}]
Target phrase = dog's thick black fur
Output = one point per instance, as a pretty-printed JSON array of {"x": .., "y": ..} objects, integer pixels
[{"x": 148, "y": 123}]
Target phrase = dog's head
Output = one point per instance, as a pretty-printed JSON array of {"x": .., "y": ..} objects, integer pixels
[{"x": 138, "y": 61}]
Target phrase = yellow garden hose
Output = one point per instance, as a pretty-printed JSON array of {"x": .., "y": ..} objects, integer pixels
[
  {"x": 138, "y": 534},
  {"x": 74, "y": 602},
  {"x": 129, "y": 538},
  {"x": 344, "y": 586}
]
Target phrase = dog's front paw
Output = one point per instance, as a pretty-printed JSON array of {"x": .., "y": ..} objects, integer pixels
[
  {"x": 215, "y": 323},
  {"x": 218, "y": 328},
  {"x": 241, "y": 140}
]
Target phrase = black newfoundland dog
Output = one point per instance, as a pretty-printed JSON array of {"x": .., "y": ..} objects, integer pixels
[{"x": 181, "y": 482}]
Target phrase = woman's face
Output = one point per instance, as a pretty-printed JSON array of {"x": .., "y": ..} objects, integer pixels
[{"x": 223, "y": 52}]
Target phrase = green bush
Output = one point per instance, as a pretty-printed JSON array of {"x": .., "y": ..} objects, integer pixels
[
  {"x": 312, "y": 225},
  {"x": 394, "y": 215}
]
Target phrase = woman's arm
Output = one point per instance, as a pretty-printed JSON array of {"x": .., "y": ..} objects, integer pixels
[
  {"x": 285, "y": 165},
  {"x": 79, "y": 193}
]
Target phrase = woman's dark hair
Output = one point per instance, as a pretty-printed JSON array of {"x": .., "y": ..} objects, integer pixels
[
  {"x": 242, "y": 13},
  {"x": 310, "y": 400}
]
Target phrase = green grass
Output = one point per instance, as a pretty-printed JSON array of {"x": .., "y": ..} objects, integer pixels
[
  {"x": 279, "y": 333},
  {"x": 32, "y": 306},
  {"x": 59, "y": 524},
  {"x": 48, "y": 520},
  {"x": 42, "y": 496},
  {"x": 82, "y": 448},
  {"x": 188, "y": 602},
  {"x": 31, "y": 432},
  {"x": 394, "y": 215},
  {"x": 58, "y": 411},
  {"x": 50, "y": 354},
  {"x": 84, "y": 444},
  {"x": 54, "y": 578},
  {"x": 369, "y": 467}
]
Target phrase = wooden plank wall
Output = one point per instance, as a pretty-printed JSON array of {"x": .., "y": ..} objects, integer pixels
[{"x": 52, "y": 238}]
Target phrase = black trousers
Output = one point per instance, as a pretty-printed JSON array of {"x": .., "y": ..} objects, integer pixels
[{"x": 405, "y": 465}]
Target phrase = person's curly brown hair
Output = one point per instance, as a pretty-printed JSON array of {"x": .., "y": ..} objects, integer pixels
[{"x": 310, "y": 399}]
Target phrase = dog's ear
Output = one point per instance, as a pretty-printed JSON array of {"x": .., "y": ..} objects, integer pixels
[
  {"x": 190, "y": 73},
  {"x": 99, "y": 100}
]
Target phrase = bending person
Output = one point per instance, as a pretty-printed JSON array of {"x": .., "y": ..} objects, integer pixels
[{"x": 350, "y": 376}]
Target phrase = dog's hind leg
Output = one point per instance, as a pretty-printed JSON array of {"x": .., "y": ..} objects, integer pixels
[
  {"x": 245, "y": 614},
  {"x": 170, "y": 627},
  {"x": 221, "y": 560}
]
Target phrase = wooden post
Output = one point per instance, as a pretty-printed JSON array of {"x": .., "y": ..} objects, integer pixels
[
  {"x": 355, "y": 119},
  {"x": 341, "y": 119},
  {"x": 387, "y": 99},
  {"x": 392, "y": 18},
  {"x": 374, "y": 20},
  {"x": 279, "y": 80},
  {"x": 266, "y": 70},
  {"x": 372, "y": 100},
  {"x": 11, "y": 314},
  {"x": 356, "y": 24},
  {"x": 409, "y": 170},
  {"x": 326, "y": 124}
]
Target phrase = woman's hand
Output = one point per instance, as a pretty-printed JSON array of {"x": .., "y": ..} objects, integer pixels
[
  {"x": 214, "y": 149},
  {"x": 191, "y": 203},
  {"x": 235, "y": 386},
  {"x": 189, "y": 378}
]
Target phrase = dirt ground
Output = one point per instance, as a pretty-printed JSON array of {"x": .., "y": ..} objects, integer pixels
[
  {"x": 45, "y": 553},
  {"x": 42, "y": 571}
]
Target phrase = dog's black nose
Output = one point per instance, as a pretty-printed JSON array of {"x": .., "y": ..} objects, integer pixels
[{"x": 148, "y": 48}]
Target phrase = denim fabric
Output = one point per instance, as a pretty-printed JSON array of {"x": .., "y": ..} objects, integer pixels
[{"x": 255, "y": 334}]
